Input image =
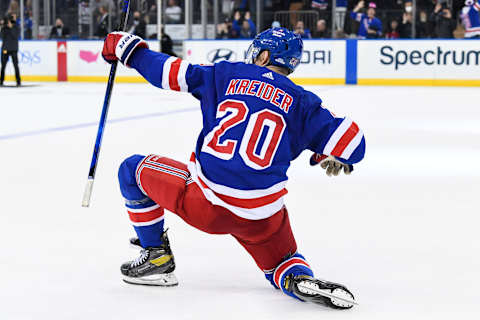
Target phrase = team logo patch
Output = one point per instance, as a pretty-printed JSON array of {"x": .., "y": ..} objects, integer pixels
[{"x": 294, "y": 62}]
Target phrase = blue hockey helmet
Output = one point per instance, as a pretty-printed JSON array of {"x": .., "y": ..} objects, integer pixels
[{"x": 285, "y": 48}]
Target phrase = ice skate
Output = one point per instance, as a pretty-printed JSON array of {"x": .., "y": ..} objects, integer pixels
[
  {"x": 313, "y": 290},
  {"x": 154, "y": 266}
]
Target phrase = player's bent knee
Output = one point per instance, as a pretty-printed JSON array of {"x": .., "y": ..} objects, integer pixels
[
  {"x": 127, "y": 178},
  {"x": 296, "y": 265}
]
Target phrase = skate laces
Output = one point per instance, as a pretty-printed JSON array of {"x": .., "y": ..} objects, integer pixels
[{"x": 144, "y": 254}]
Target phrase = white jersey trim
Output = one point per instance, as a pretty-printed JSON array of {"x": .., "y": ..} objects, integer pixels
[
  {"x": 336, "y": 136},
  {"x": 352, "y": 145},
  {"x": 232, "y": 192},
  {"x": 166, "y": 73},
  {"x": 250, "y": 214},
  {"x": 182, "y": 81}
]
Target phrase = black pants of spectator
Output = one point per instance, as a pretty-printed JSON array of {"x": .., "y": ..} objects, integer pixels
[{"x": 14, "y": 55}]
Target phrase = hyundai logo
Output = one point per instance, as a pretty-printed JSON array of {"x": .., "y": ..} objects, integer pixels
[{"x": 218, "y": 55}]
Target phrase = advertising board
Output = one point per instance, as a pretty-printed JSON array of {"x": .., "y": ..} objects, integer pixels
[
  {"x": 428, "y": 62},
  {"x": 37, "y": 61},
  {"x": 323, "y": 61}
]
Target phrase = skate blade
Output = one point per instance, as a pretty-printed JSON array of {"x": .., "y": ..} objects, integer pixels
[
  {"x": 160, "y": 280},
  {"x": 338, "y": 297}
]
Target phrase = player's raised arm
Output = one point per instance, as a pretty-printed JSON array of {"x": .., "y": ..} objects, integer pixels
[
  {"x": 338, "y": 142},
  {"x": 159, "y": 69}
]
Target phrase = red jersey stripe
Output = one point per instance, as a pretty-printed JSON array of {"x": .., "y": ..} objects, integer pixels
[
  {"x": 248, "y": 203},
  {"x": 345, "y": 140},
  {"x": 173, "y": 75}
]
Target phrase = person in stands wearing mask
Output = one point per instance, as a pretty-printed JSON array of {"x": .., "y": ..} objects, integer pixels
[{"x": 59, "y": 31}]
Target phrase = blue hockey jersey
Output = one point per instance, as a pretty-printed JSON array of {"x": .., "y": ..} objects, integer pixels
[
  {"x": 255, "y": 122},
  {"x": 471, "y": 19},
  {"x": 367, "y": 23}
]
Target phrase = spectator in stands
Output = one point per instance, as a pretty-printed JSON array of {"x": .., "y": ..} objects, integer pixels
[
  {"x": 442, "y": 21},
  {"x": 295, "y": 5},
  {"x": 167, "y": 44},
  {"x": 393, "y": 31},
  {"x": 370, "y": 26},
  {"x": 59, "y": 31},
  {"x": 139, "y": 26},
  {"x": 173, "y": 12},
  {"x": 238, "y": 25},
  {"x": 102, "y": 28},
  {"x": 405, "y": 29},
  {"x": 301, "y": 31},
  {"x": 423, "y": 26},
  {"x": 321, "y": 6},
  {"x": 248, "y": 17},
  {"x": 237, "y": 22},
  {"x": 150, "y": 11},
  {"x": 14, "y": 7},
  {"x": 340, "y": 14},
  {"x": 27, "y": 24},
  {"x": 246, "y": 32},
  {"x": 471, "y": 19},
  {"x": 225, "y": 30},
  {"x": 321, "y": 31},
  {"x": 222, "y": 31}
]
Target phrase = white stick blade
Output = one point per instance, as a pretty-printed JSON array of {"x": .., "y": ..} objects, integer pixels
[{"x": 87, "y": 193}]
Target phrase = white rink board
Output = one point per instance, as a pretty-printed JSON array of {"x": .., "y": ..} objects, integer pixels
[
  {"x": 35, "y": 58},
  {"x": 321, "y": 58},
  {"x": 419, "y": 59},
  {"x": 85, "y": 59}
]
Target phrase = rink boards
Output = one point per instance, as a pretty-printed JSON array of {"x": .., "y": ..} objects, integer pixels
[{"x": 363, "y": 62}]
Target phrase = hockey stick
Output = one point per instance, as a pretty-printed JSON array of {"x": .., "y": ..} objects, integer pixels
[{"x": 103, "y": 118}]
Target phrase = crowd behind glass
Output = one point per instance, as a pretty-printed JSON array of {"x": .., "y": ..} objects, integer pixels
[{"x": 391, "y": 19}]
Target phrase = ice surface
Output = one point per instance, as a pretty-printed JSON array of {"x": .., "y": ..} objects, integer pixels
[{"x": 401, "y": 231}]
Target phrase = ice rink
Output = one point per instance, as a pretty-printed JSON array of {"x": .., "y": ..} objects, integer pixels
[{"x": 402, "y": 232}]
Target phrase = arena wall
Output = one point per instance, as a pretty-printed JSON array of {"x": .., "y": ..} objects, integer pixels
[{"x": 362, "y": 62}]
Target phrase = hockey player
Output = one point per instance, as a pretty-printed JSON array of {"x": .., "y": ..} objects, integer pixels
[{"x": 255, "y": 122}]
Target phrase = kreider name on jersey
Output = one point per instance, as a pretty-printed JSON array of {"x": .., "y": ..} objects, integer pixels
[{"x": 262, "y": 90}]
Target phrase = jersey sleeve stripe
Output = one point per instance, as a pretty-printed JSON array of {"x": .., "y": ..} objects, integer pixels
[
  {"x": 173, "y": 75},
  {"x": 182, "y": 72},
  {"x": 336, "y": 136},
  {"x": 347, "y": 137},
  {"x": 352, "y": 145},
  {"x": 166, "y": 73}
]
